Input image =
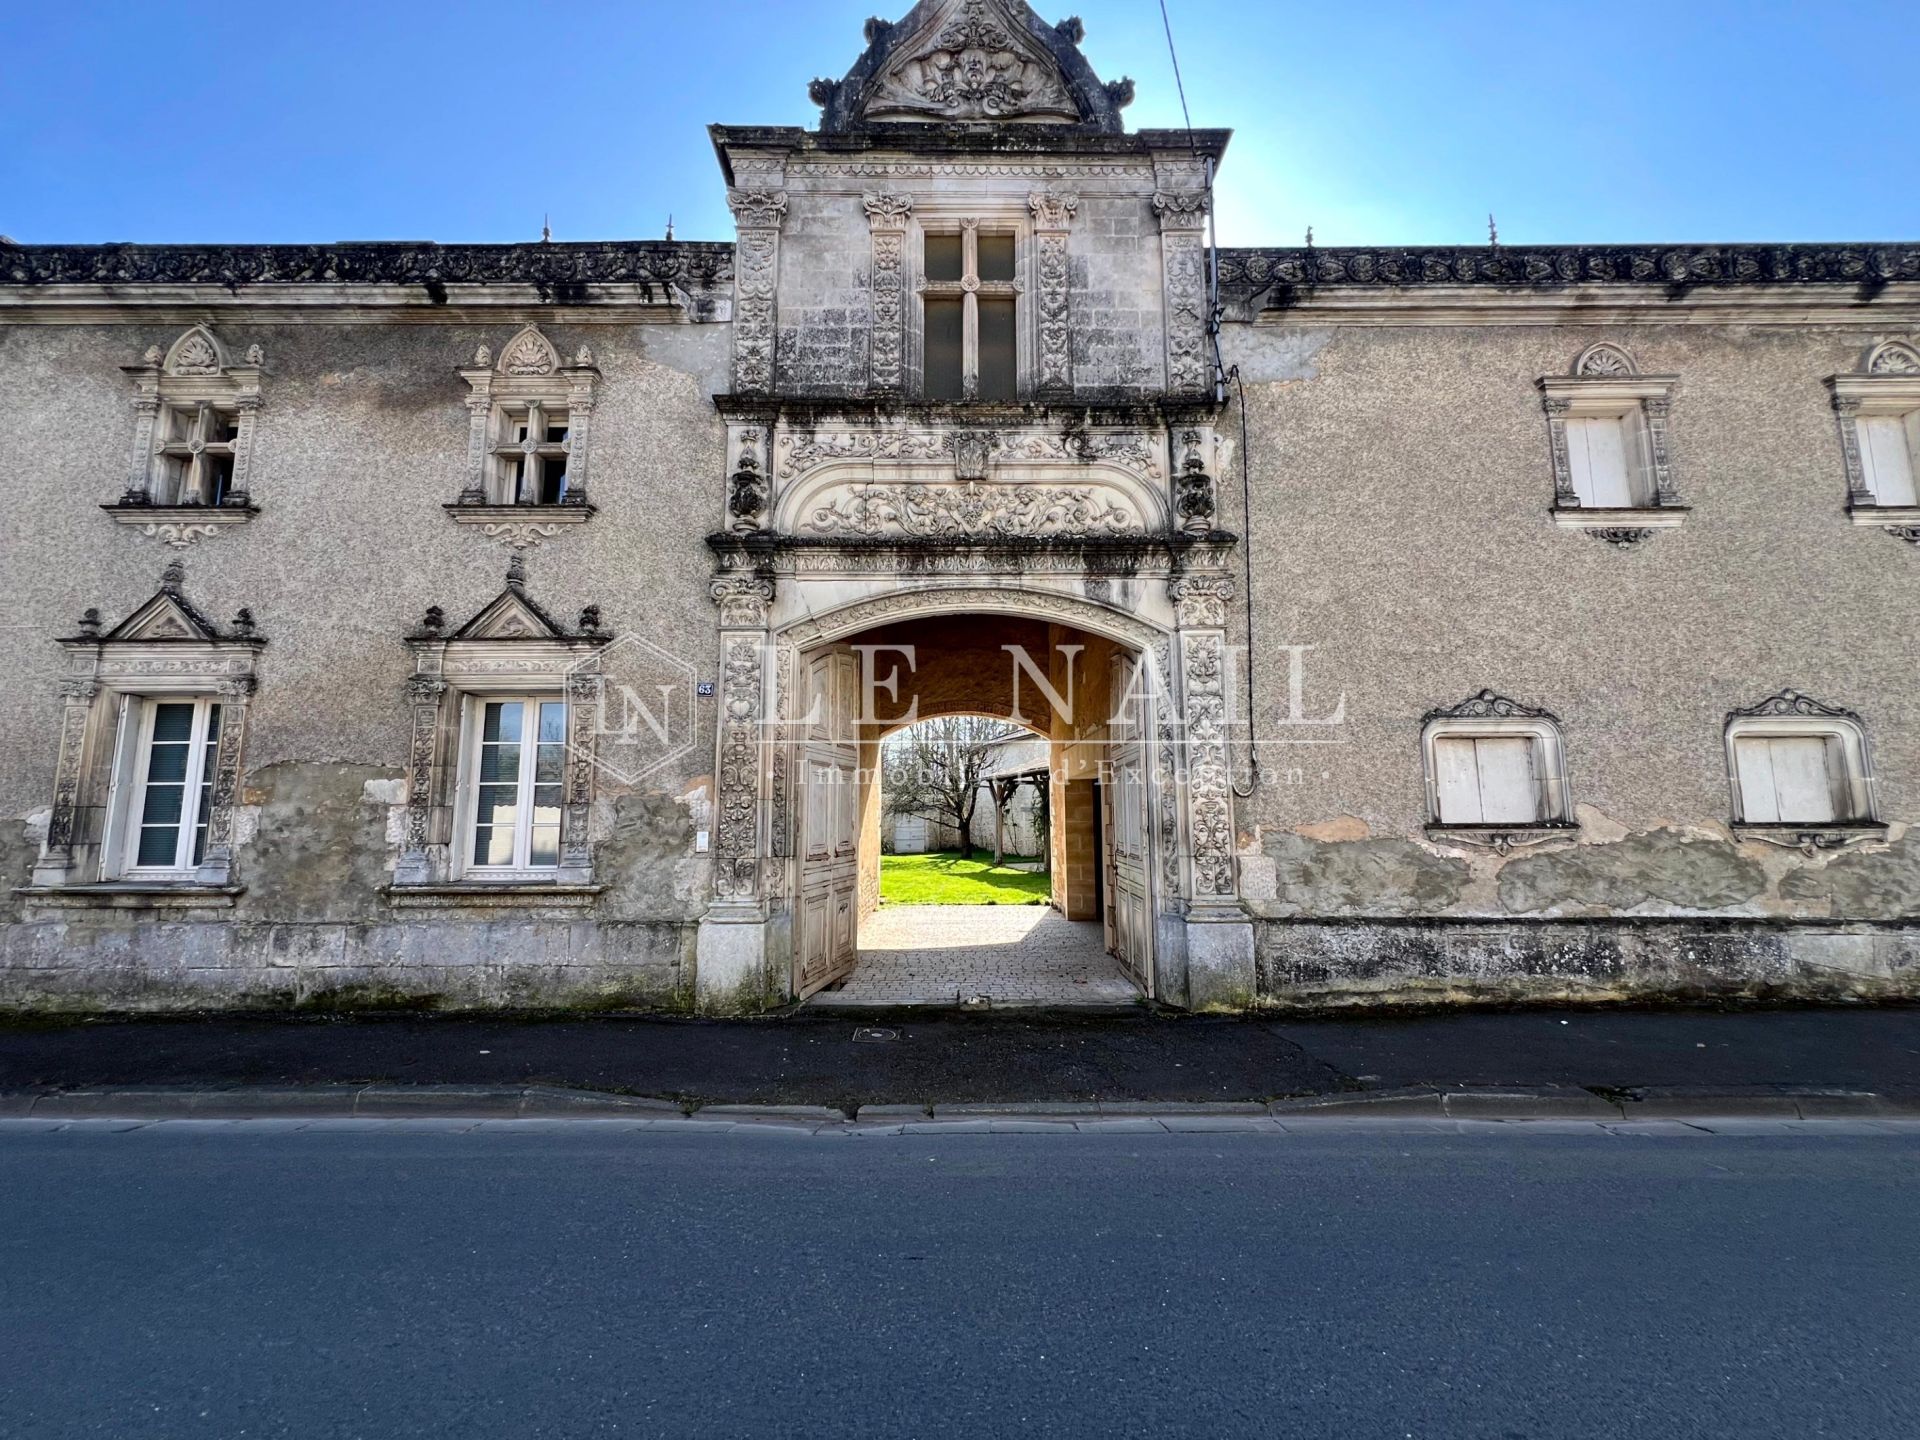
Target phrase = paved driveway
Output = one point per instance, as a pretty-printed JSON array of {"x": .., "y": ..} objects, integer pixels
[{"x": 1012, "y": 954}]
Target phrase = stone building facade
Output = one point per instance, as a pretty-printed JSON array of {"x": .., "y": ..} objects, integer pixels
[{"x": 501, "y": 625}]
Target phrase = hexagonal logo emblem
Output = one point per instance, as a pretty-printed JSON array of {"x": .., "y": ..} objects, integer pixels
[{"x": 640, "y": 707}]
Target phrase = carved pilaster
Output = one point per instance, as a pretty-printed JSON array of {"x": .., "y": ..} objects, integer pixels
[
  {"x": 740, "y": 770},
  {"x": 240, "y": 492},
  {"x": 1183, "y": 220},
  {"x": 1209, "y": 790},
  {"x": 580, "y": 386},
  {"x": 146, "y": 409},
  {"x": 1052, "y": 220},
  {"x": 216, "y": 866},
  {"x": 1200, "y": 612},
  {"x": 1847, "y": 411},
  {"x": 415, "y": 865},
  {"x": 583, "y": 705},
  {"x": 736, "y": 848},
  {"x": 55, "y": 864},
  {"x": 888, "y": 216},
  {"x": 758, "y": 215},
  {"x": 1657, "y": 410},
  {"x": 1564, "y": 495},
  {"x": 479, "y": 418}
]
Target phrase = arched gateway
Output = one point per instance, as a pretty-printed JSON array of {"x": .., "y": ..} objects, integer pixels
[{"x": 1128, "y": 689}]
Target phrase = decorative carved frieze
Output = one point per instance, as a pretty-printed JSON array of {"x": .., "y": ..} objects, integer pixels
[
  {"x": 552, "y": 269},
  {"x": 806, "y": 451},
  {"x": 972, "y": 509},
  {"x": 1487, "y": 705},
  {"x": 888, "y": 217},
  {"x": 1246, "y": 272}
]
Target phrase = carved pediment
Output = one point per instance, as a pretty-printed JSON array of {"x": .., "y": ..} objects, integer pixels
[
  {"x": 167, "y": 615},
  {"x": 513, "y": 615},
  {"x": 972, "y": 61}
]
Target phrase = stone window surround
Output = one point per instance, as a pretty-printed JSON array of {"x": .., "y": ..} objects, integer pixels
[
  {"x": 512, "y": 647},
  {"x": 947, "y": 215},
  {"x": 1489, "y": 714},
  {"x": 1887, "y": 383},
  {"x": 1791, "y": 713},
  {"x": 1605, "y": 382},
  {"x": 195, "y": 371},
  {"x": 164, "y": 650},
  {"x": 528, "y": 371}
]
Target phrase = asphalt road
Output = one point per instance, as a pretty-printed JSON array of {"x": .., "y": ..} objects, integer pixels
[{"x": 571, "y": 1280}]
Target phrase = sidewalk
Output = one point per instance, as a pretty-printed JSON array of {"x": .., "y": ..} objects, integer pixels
[{"x": 1643, "y": 1059}]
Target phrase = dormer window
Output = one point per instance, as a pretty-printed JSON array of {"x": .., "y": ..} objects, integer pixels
[
  {"x": 1879, "y": 411},
  {"x": 1607, "y": 428},
  {"x": 527, "y": 451},
  {"x": 970, "y": 314},
  {"x": 193, "y": 439}
]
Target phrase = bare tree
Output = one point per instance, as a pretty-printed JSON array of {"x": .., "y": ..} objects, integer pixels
[{"x": 936, "y": 769}]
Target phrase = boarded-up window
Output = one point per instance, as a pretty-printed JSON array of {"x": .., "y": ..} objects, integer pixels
[
  {"x": 1792, "y": 779},
  {"x": 1609, "y": 461},
  {"x": 1489, "y": 780},
  {"x": 1888, "y": 445}
]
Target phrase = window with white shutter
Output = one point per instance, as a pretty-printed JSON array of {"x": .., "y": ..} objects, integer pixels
[
  {"x": 1800, "y": 771},
  {"x": 1607, "y": 427},
  {"x": 1496, "y": 771}
]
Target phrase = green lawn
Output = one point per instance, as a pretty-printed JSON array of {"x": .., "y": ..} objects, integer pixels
[{"x": 943, "y": 878}]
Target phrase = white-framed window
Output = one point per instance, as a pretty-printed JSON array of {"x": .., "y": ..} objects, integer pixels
[
  {"x": 1607, "y": 432},
  {"x": 163, "y": 795},
  {"x": 970, "y": 311},
  {"x": 1879, "y": 410},
  {"x": 1793, "y": 761},
  {"x": 152, "y": 739},
  {"x": 513, "y": 800},
  {"x": 1493, "y": 764}
]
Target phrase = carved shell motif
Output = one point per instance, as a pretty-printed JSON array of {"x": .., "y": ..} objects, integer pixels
[
  {"x": 194, "y": 354},
  {"x": 1895, "y": 357},
  {"x": 1604, "y": 361},
  {"x": 528, "y": 353}
]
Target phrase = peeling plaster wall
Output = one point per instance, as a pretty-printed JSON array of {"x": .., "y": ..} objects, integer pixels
[
  {"x": 362, "y": 438},
  {"x": 1401, "y": 485}
]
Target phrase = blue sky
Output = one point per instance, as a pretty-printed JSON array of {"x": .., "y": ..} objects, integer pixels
[{"x": 1393, "y": 122}]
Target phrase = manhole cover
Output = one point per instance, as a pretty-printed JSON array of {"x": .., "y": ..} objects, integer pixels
[{"x": 874, "y": 1035}]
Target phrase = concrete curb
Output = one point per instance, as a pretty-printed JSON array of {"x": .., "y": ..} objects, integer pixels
[{"x": 1649, "y": 1105}]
